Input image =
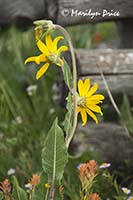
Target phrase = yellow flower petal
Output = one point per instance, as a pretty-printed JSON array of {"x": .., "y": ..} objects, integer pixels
[
  {"x": 55, "y": 42},
  {"x": 61, "y": 49},
  {"x": 79, "y": 109},
  {"x": 86, "y": 87},
  {"x": 41, "y": 71},
  {"x": 80, "y": 87},
  {"x": 93, "y": 89},
  {"x": 92, "y": 115},
  {"x": 41, "y": 58},
  {"x": 49, "y": 43},
  {"x": 95, "y": 108},
  {"x": 93, "y": 102},
  {"x": 97, "y": 97},
  {"x": 84, "y": 116},
  {"x": 42, "y": 47},
  {"x": 36, "y": 59},
  {"x": 30, "y": 59}
]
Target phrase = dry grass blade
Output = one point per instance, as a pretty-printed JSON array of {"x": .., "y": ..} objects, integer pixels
[{"x": 113, "y": 101}]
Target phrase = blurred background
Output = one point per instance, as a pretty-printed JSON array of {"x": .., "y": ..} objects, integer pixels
[{"x": 28, "y": 107}]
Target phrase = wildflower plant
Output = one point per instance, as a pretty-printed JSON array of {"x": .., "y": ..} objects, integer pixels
[
  {"x": 87, "y": 173},
  {"x": 48, "y": 184}
]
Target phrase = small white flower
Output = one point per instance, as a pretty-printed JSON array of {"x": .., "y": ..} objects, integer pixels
[
  {"x": 11, "y": 171},
  {"x": 31, "y": 89},
  {"x": 126, "y": 190},
  {"x": 28, "y": 186},
  {"x": 18, "y": 120},
  {"x": 79, "y": 165},
  {"x": 104, "y": 165},
  {"x": 51, "y": 111}
]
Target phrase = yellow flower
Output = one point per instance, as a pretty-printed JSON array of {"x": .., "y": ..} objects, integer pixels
[
  {"x": 49, "y": 54},
  {"x": 47, "y": 185},
  {"x": 87, "y": 101}
]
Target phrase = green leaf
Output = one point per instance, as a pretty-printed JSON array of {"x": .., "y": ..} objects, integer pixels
[
  {"x": 1, "y": 195},
  {"x": 40, "y": 191},
  {"x": 18, "y": 192},
  {"x": 68, "y": 116},
  {"x": 54, "y": 153},
  {"x": 67, "y": 75}
]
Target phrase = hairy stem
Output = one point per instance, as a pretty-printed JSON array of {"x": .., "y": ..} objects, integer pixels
[
  {"x": 52, "y": 191},
  {"x": 68, "y": 140}
]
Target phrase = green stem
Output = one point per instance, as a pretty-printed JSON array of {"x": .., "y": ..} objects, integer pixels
[
  {"x": 58, "y": 27},
  {"x": 30, "y": 196},
  {"x": 46, "y": 196}
]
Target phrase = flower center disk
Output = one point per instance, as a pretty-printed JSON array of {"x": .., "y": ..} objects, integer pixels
[{"x": 81, "y": 101}]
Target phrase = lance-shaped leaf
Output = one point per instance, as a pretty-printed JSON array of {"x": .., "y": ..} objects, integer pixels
[
  {"x": 54, "y": 153},
  {"x": 67, "y": 75},
  {"x": 18, "y": 192}
]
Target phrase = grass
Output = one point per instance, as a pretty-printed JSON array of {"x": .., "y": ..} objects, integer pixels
[{"x": 22, "y": 140}]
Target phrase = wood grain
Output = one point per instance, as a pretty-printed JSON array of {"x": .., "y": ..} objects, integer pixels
[
  {"x": 116, "y": 64},
  {"x": 125, "y": 8}
]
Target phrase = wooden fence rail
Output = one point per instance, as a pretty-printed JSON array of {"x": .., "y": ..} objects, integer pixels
[
  {"x": 69, "y": 11},
  {"x": 116, "y": 64}
]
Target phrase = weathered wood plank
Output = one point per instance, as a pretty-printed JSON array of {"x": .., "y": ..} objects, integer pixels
[
  {"x": 109, "y": 139},
  {"x": 68, "y": 10},
  {"x": 117, "y": 83},
  {"x": 117, "y": 66},
  {"x": 111, "y": 61}
]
